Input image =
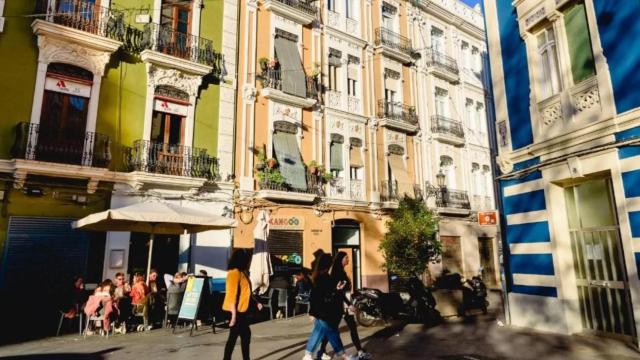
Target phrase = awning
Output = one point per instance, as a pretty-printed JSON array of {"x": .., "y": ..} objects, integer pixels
[
  {"x": 355, "y": 157},
  {"x": 336, "y": 157},
  {"x": 293, "y": 78},
  {"x": 289, "y": 159},
  {"x": 401, "y": 175}
]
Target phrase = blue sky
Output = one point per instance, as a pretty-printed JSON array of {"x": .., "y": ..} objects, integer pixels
[{"x": 471, "y": 2}]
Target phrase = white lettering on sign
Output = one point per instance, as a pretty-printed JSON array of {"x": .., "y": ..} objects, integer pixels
[
  {"x": 170, "y": 107},
  {"x": 286, "y": 223},
  {"x": 67, "y": 87}
]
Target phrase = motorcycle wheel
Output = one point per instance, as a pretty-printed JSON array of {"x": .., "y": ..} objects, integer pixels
[{"x": 363, "y": 318}]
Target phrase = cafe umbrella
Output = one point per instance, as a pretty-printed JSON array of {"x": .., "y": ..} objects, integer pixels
[
  {"x": 261, "y": 269},
  {"x": 154, "y": 218}
]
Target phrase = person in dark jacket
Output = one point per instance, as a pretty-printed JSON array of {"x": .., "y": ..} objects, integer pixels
[
  {"x": 338, "y": 275},
  {"x": 326, "y": 309}
]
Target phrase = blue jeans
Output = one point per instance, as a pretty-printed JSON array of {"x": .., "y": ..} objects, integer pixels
[{"x": 322, "y": 329}]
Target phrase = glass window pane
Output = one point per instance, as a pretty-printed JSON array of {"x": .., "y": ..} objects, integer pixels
[{"x": 579, "y": 42}]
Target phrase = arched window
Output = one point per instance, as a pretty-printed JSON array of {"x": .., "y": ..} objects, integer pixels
[{"x": 448, "y": 169}]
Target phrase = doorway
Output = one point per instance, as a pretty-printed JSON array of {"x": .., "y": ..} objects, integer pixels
[
  {"x": 164, "y": 257},
  {"x": 167, "y": 135},
  {"x": 485, "y": 247},
  {"x": 603, "y": 288},
  {"x": 345, "y": 236}
]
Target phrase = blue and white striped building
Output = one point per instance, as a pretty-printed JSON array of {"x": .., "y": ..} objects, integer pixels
[{"x": 566, "y": 86}]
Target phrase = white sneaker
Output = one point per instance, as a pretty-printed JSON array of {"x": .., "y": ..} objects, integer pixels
[
  {"x": 363, "y": 355},
  {"x": 307, "y": 356},
  {"x": 326, "y": 357}
]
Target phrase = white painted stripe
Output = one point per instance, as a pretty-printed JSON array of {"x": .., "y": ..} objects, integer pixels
[
  {"x": 629, "y": 164},
  {"x": 530, "y": 248},
  {"x": 529, "y": 186},
  {"x": 527, "y": 217},
  {"x": 636, "y": 244},
  {"x": 534, "y": 280},
  {"x": 633, "y": 204}
]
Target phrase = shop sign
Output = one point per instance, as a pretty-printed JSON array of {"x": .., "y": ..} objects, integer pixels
[
  {"x": 67, "y": 87},
  {"x": 487, "y": 218},
  {"x": 170, "y": 107},
  {"x": 287, "y": 263},
  {"x": 286, "y": 223}
]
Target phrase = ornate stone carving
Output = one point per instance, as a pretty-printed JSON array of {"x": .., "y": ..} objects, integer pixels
[
  {"x": 53, "y": 50},
  {"x": 353, "y": 105},
  {"x": 161, "y": 76},
  {"x": 333, "y": 19},
  {"x": 353, "y": 27},
  {"x": 395, "y": 138},
  {"x": 334, "y": 99},
  {"x": 551, "y": 113},
  {"x": 506, "y": 166},
  {"x": 587, "y": 99},
  {"x": 92, "y": 186}
]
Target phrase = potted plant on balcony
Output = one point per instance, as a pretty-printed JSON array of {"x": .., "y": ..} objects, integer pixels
[
  {"x": 312, "y": 167},
  {"x": 316, "y": 70},
  {"x": 264, "y": 62},
  {"x": 271, "y": 176},
  {"x": 262, "y": 158},
  {"x": 272, "y": 163},
  {"x": 327, "y": 176}
]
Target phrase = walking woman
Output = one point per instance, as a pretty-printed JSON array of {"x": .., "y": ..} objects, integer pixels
[
  {"x": 326, "y": 309},
  {"x": 236, "y": 301},
  {"x": 338, "y": 275}
]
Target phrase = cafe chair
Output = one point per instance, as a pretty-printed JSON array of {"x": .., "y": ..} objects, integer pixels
[
  {"x": 92, "y": 320},
  {"x": 283, "y": 302},
  {"x": 266, "y": 301},
  {"x": 302, "y": 301},
  {"x": 78, "y": 315}
]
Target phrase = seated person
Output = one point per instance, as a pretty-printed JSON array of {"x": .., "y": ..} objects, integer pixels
[
  {"x": 157, "y": 297},
  {"x": 122, "y": 302},
  {"x": 302, "y": 286},
  {"x": 175, "y": 292},
  {"x": 101, "y": 303},
  {"x": 140, "y": 296},
  {"x": 74, "y": 298}
]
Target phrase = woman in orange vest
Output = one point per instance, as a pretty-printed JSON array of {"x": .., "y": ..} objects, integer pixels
[{"x": 237, "y": 301}]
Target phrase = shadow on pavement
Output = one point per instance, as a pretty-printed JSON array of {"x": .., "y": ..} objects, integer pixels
[{"x": 99, "y": 355}]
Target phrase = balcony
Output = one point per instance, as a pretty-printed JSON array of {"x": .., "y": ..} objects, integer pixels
[
  {"x": 447, "y": 130},
  {"x": 272, "y": 80},
  {"x": 166, "y": 159},
  {"x": 356, "y": 190},
  {"x": 389, "y": 191},
  {"x": 282, "y": 191},
  {"x": 97, "y": 30},
  {"x": 451, "y": 201},
  {"x": 302, "y": 12},
  {"x": 442, "y": 65},
  {"x": 397, "y": 115},
  {"x": 339, "y": 22},
  {"x": 336, "y": 188},
  {"x": 94, "y": 150},
  {"x": 198, "y": 53},
  {"x": 394, "y": 45}
]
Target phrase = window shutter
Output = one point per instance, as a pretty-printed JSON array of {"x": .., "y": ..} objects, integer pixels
[
  {"x": 289, "y": 159},
  {"x": 293, "y": 77},
  {"x": 579, "y": 42}
]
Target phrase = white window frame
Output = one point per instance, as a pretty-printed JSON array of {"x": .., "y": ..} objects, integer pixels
[{"x": 549, "y": 75}]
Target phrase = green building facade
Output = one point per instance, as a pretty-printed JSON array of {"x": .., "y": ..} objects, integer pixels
[{"x": 108, "y": 103}]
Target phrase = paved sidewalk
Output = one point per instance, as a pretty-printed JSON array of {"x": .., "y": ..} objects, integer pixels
[{"x": 480, "y": 339}]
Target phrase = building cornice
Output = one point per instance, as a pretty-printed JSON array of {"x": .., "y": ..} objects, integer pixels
[
  {"x": 329, "y": 30},
  {"x": 171, "y": 62}
]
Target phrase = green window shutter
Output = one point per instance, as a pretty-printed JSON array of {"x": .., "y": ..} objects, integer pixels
[
  {"x": 289, "y": 160},
  {"x": 293, "y": 77},
  {"x": 336, "y": 156},
  {"x": 579, "y": 41}
]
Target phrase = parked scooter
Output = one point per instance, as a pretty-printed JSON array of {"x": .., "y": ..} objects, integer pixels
[
  {"x": 373, "y": 305},
  {"x": 474, "y": 295}
]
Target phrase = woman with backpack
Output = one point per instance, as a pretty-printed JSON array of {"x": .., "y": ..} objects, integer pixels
[
  {"x": 237, "y": 301},
  {"x": 326, "y": 309}
]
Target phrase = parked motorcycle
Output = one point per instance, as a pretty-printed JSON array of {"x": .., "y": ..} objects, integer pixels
[
  {"x": 373, "y": 305},
  {"x": 474, "y": 295}
]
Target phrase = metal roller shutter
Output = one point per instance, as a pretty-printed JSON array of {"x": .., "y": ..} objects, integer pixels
[{"x": 286, "y": 249}]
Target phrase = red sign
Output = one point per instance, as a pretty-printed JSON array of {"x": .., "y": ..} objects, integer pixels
[{"x": 487, "y": 217}]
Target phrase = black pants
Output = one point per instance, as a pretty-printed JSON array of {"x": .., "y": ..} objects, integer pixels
[
  {"x": 241, "y": 328},
  {"x": 353, "y": 329}
]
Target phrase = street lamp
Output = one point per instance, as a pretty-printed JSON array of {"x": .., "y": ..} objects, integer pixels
[{"x": 431, "y": 190}]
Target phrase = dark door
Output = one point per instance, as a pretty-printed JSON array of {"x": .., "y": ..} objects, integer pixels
[
  {"x": 165, "y": 255},
  {"x": 61, "y": 134},
  {"x": 485, "y": 247},
  {"x": 451, "y": 254}
]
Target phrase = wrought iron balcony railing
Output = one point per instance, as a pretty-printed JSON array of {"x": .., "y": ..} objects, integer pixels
[
  {"x": 389, "y": 191},
  {"x": 393, "y": 40},
  {"x": 160, "y": 158},
  {"x": 86, "y": 16},
  {"x": 185, "y": 46},
  {"x": 33, "y": 144},
  {"x": 272, "y": 78},
  {"x": 443, "y": 125},
  {"x": 315, "y": 185},
  {"x": 450, "y": 198},
  {"x": 397, "y": 111},
  {"x": 304, "y": 6},
  {"x": 438, "y": 59},
  {"x": 82, "y": 15}
]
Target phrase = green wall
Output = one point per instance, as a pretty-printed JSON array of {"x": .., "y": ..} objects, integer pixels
[{"x": 18, "y": 61}]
